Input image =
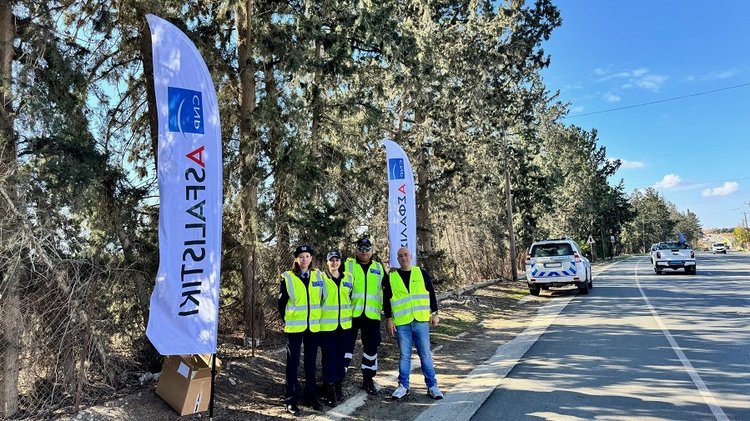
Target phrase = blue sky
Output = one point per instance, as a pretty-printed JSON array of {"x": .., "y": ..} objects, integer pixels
[{"x": 696, "y": 150}]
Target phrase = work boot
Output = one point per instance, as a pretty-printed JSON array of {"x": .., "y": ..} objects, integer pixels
[
  {"x": 313, "y": 403},
  {"x": 368, "y": 385},
  {"x": 329, "y": 394},
  {"x": 339, "y": 391},
  {"x": 292, "y": 408}
]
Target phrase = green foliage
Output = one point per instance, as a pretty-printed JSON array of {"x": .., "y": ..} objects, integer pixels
[
  {"x": 457, "y": 84},
  {"x": 741, "y": 236}
]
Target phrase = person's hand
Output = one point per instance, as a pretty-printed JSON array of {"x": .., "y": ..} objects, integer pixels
[
  {"x": 434, "y": 320},
  {"x": 390, "y": 327}
]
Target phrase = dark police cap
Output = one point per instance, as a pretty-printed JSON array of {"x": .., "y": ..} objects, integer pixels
[
  {"x": 304, "y": 248},
  {"x": 363, "y": 244},
  {"x": 332, "y": 254}
]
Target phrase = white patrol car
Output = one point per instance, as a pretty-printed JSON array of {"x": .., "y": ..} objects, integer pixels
[{"x": 552, "y": 263}]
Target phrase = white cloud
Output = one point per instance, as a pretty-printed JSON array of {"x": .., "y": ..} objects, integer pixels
[
  {"x": 631, "y": 165},
  {"x": 610, "y": 97},
  {"x": 723, "y": 74},
  {"x": 628, "y": 165},
  {"x": 640, "y": 77},
  {"x": 577, "y": 109},
  {"x": 651, "y": 82},
  {"x": 669, "y": 181},
  {"x": 728, "y": 188}
]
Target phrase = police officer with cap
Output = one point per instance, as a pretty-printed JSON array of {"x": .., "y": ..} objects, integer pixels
[
  {"x": 367, "y": 303},
  {"x": 335, "y": 325},
  {"x": 300, "y": 307}
]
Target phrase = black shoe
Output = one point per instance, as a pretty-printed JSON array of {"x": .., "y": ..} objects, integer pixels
[
  {"x": 293, "y": 409},
  {"x": 314, "y": 404},
  {"x": 339, "y": 391},
  {"x": 329, "y": 395},
  {"x": 369, "y": 387}
]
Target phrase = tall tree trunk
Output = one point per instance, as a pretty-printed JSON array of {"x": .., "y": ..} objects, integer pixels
[
  {"x": 148, "y": 74},
  {"x": 424, "y": 222},
  {"x": 10, "y": 302},
  {"x": 317, "y": 100},
  {"x": 279, "y": 162},
  {"x": 253, "y": 314}
]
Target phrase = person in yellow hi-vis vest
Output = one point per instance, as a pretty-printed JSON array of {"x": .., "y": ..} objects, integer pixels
[
  {"x": 410, "y": 309},
  {"x": 367, "y": 303},
  {"x": 335, "y": 325},
  {"x": 300, "y": 307}
]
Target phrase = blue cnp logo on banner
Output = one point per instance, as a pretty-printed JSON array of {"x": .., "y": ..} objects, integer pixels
[
  {"x": 185, "y": 110},
  {"x": 396, "y": 169}
]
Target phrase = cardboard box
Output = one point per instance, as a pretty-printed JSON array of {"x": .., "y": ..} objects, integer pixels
[{"x": 185, "y": 382}]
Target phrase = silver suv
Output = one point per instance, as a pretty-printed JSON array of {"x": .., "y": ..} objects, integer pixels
[{"x": 552, "y": 263}]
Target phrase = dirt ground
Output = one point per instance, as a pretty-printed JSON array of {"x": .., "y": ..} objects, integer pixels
[{"x": 472, "y": 326}]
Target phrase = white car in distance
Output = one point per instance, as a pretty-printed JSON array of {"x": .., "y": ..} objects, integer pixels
[{"x": 719, "y": 248}]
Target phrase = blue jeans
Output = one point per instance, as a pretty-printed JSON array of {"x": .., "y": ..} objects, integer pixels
[{"x": 418, "y": 334}]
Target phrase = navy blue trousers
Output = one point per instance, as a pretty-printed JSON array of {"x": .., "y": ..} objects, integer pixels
[
  {"x": 333, "y": 346},
  {"x": 370, "y": 341},
  {"x": 294, "y": 343}
]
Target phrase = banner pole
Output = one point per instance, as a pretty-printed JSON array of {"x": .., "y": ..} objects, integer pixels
[{"x": 211, "y": 399}]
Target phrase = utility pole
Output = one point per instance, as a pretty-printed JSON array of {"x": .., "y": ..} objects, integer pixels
[{"x": 511, "y": 235}]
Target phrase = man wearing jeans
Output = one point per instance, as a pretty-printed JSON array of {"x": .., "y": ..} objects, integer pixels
[{"x": 410, "y": 308}]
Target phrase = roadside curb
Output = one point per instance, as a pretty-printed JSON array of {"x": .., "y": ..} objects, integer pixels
[{"x": 465, "y": 399}]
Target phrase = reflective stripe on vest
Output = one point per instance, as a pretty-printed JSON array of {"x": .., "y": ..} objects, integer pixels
[
  {"x": 367, "y": 294},
  {"x": 303, "y": 309},
  {"x": 412, "y": 304},
  {"x": 337, "y": 308}
]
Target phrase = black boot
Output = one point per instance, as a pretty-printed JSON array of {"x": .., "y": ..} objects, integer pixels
[
  {"x": 340, "y": 391},
  {"x": 369, "y": 386},
  {"x": 292, "y": 408},
  {"x": 329, "y": 394},
  {"x": 313, "y": 403}
]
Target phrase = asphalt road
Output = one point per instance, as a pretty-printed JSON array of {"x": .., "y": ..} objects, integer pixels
[{"x": 640, "y": 346}]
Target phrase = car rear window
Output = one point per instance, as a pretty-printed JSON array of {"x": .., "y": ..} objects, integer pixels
[
  {"x": 672, "y": 246},
  {"x": 552, "y": 249}
]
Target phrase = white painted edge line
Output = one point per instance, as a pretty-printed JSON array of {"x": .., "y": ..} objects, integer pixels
[
  {"x": 464, "y": 400},
  {"x": 697, "y": 381},
  {"x": 345, "y": 409}
]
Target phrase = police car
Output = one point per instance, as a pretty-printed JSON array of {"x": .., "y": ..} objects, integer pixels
[{"x": 553, "y": 263}]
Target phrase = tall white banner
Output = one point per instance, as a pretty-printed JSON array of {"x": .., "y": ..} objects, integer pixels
[
  {"x": 402, "y": 207},
  {"x": 184, "y": 310}
]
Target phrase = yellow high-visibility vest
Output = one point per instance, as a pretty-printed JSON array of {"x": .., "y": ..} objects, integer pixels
[
  {"x": 303, "y": 307},
  {"x": 337, "y": 304},
  {"x": 367, "y": 294},
  {"x": 412, "y": 304}
]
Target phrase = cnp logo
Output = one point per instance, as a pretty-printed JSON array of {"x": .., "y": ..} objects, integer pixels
[
  {"x": 396, "y": 169},
  {"x": 185, "y": 110}
]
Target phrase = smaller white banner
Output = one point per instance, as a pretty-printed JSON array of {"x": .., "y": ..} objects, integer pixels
[{"x": 402, "y": 207}]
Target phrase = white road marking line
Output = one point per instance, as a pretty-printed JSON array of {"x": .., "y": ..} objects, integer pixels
[
  {"x": 697, "y": 381},
  {"x": 345, "y": 409},
  {"x": 463, "y": 400}
]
